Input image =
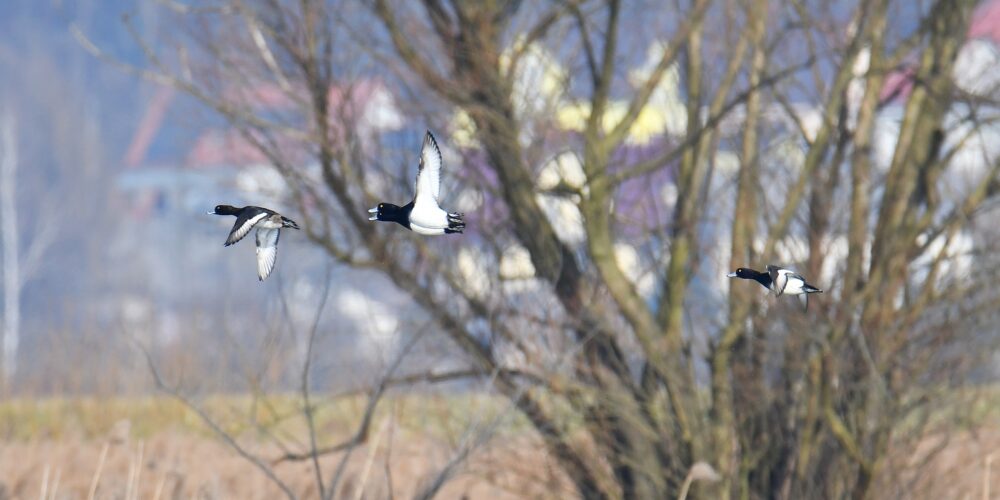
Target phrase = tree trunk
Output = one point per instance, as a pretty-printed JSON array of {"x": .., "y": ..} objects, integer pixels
[{"x": 9, "y": 241}]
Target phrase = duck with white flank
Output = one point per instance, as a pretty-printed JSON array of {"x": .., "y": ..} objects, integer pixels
[
  {"x": 779, "y": 280},
  {"x": 268, "y": 224},
  {"x": 423, "y": 215}
]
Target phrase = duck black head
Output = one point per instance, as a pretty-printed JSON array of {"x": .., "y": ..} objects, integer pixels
[
  {"x": 387, "y": 212},
  {"x": 744, "y": 273},
  {"x": 751, "y": 274},
  {"x": 224, "y": 210}
]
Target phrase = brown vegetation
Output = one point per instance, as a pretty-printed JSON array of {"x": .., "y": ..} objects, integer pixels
[{"x": 155, "y": 448}]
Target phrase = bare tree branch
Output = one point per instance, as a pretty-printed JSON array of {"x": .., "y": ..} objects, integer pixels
[{"x": 214, "y": 426}]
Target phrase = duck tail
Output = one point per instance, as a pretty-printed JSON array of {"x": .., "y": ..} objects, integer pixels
[
  {"x": 811, "y": 289},
  {"x": 456, "y": 223}
]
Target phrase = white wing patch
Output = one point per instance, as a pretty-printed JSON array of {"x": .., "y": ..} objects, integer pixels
[
  {"x": 786, "y": 281},
  {"x": 267, "y": 251},
  {"x": 794, "y": 285},
  {"x": 429, "y": 174},
  {"x": 239, "y": 231},
  {"x": 429, "y": 216}
]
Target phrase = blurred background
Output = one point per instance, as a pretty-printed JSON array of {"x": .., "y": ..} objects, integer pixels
[
  {"x": 614, "y": 160},
  {"x": 112, "y": 233}
]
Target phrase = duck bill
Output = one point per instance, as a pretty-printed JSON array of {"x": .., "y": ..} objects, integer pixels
[
  {"x": 731, "y": 275},
  {"x": 374, "y": 212}
]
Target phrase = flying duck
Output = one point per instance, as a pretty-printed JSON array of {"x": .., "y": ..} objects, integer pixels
[
  {"x": 268, "y": 224},
  {"x": 423, "y": 215},
  {"x": 779, "y": 280}
]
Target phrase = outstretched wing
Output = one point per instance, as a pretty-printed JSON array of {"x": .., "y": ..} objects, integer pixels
[
  {"x": 244, "y": 223},
  {"x": 429, "y": 174},
  {"x": 796, "y": 283},
  {"x": 267, "y": 251},
  {"x": 797, "y": 276}
]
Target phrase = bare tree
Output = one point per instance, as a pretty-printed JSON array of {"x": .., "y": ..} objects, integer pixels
[
  {"x": 11, "y": 259},
  {"x": 17, "y": 268},
  {"x": 780, "y": 402}
]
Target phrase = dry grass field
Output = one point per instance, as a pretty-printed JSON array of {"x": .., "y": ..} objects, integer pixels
[{"x": 155, "y": 448}]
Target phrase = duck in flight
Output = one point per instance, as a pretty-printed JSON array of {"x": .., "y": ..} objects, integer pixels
[
  {"x": 268, "y": 224},
  {"x": 423, "y": 215},
  {"x": 779, "y": 280}
]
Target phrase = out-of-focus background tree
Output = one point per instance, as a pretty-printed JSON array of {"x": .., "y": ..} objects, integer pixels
[{"x": 614, "y": 159}]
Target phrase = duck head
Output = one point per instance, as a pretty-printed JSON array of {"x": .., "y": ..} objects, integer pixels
[
  {"x": 386, "y": 212},
  {"x": 744, "y": 273},
  {"x": 750, "y": 274},
  {"x": 224, "y": 210}
]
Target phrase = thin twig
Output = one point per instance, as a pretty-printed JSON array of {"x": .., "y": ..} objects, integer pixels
[
  {"x": 372, "y": 450},
  {"x": 92, "y": 491},
  {"x": 138, "y": 470},
  {"x": 55, "y": 485},
  {"x": 43, "y": 493},
  {"x": 373, "y": 399},
  {"x": 307, "y": 408},
  {"x": 214, "y": 426},
  {"x": 429, "y": 377},
  {"x": 987, "y": 465},
  {"x": 160, "y": 485}
]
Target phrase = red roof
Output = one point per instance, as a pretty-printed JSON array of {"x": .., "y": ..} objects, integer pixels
[
  {"x": 216, "y": 147},
  {"x": 226, "y": 146},
  {"x": 985, "y": 24},
  {"x": 986, "y": 21}
]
